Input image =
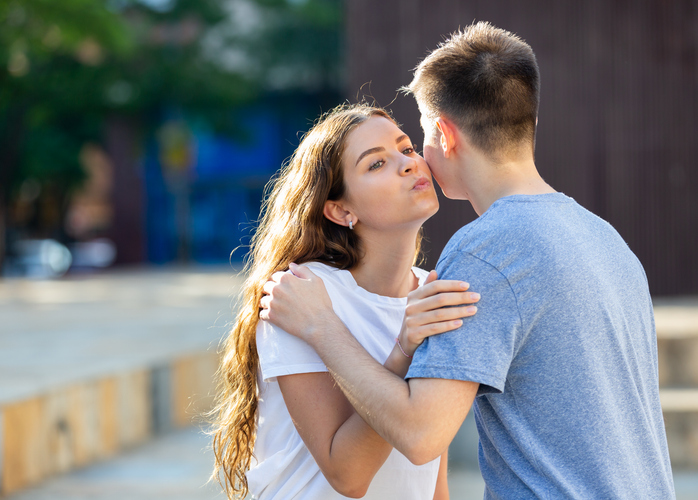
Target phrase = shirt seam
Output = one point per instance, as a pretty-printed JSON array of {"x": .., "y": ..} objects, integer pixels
[
  {"x": 290, "y": 370},
  {"x": 476, "y": 374},
  {"x": 516, "y": 298}
]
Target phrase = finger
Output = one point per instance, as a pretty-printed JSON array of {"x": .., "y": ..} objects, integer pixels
[
  {"x": 268, "y": 287},
  {"x": 440, "y": 286},
  {"x": 437, "y": 328},
  {"x": 277, "y": 276},
  {"x": 447, "y": 299},
  {"x": 442, "y": 315},
  {"x": 264, "y": 302},
  {"x": 431, "y": 277},
  {"x": 441, "y": 300},
  {"x": 264, "y": 314},
  {"x": 301, "y": 271}
]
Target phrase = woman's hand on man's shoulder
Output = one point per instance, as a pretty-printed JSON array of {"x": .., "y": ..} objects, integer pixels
[{"x": 437, "y": 306}]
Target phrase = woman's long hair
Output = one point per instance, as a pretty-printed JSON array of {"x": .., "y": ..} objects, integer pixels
[{"x": 292, "y": 229}]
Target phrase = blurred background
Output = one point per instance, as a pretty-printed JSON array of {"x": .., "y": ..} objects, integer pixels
[{"x": 136, "y": 138}]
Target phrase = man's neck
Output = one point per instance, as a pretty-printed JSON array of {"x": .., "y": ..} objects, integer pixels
[{"x": 488, "y": 181}]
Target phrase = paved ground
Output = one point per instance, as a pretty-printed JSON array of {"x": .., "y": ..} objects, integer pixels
[
  {"x": 173, "y": 467},
  {"x": 176, "y": 467},
  {"x": 53, "y": 333}
]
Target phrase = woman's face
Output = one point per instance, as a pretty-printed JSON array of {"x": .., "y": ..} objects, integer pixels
[{"x": 388, "y": 185}]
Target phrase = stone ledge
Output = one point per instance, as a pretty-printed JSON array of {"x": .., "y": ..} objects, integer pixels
[
  {"x": 676, "y": 318},
  {"x": 93, "y": 365},
  {"x": 88, "y": 421},
  {"x": 679, "y": 400}
]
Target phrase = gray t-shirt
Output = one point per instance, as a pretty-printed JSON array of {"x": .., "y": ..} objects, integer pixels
[{"x": 564, "y": 348}]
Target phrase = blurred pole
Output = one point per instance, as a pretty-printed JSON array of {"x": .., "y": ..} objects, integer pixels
[
  {"x": 10, "y": 143},
  {"x": 177, "y": 161},
  {"x": 3, "y": 234},
  {"x": 121, "y": 134},
  {"x": 180, "y": 189}
]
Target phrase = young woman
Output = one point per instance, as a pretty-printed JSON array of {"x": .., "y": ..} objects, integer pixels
[{"x": 350, "y": 204}]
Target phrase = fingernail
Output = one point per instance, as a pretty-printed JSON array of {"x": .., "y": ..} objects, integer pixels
[
  {"x": 464, "y": 285},
  {"x": 292, "y": 264},
  {"x": 471, "y": 309},
  {"x": 474, "y": 296}
]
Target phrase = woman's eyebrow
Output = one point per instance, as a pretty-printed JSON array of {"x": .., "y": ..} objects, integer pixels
[
  {"x": 368, "y": 152},
  {"x": 379, "y": 148}
]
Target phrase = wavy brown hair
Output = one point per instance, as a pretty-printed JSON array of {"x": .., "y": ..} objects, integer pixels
[{"x": 292, "y": 229}]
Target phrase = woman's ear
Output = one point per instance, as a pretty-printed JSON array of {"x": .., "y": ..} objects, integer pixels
[{"x": 335, "y": 212}]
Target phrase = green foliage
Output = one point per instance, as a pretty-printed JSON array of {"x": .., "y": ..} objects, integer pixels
[
  {"x": 67, "y": 65},
  {"x": 48, "y": 51},
  {"x": 41, "y": 28},
  {"x": 293, "y": 44}
]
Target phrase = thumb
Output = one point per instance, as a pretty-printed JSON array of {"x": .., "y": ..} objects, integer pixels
[
  {"x": 431, "y": 277},
  {"x": 301, "y": 271}
]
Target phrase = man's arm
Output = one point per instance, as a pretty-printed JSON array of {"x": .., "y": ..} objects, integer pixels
[{"x": 418, "y": 417}]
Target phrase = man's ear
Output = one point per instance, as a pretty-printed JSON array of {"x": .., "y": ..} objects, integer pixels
[
  {"x": 334, "y": 211},
  {"x": 448, "y": 135}
]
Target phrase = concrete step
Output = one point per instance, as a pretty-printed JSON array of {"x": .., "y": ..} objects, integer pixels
[
  {"x": 679, "y": 400},
  {"x": 680, "y": 407},
  {"x": 92, "y": 366},
  {"x": 677, "y": 342},
  {"x": 676, "y": 317}
]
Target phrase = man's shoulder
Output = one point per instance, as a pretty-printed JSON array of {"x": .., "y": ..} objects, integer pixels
[
  {"x": 488, "y": 230},
  {"x": 521, "y": 221},
  {"x": 522, "y": 232}
]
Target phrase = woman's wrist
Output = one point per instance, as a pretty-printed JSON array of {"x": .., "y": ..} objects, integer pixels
[
  {"x": 397, "y": 362},
  {"x": 399, "y": 345}
]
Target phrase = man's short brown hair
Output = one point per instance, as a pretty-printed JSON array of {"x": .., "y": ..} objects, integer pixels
[{"x": 485, "y": 80}]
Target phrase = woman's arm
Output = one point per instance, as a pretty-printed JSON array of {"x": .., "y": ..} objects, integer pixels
[
  {"x": 441, "y": 492},
  {"x": 347, "y": 450}
]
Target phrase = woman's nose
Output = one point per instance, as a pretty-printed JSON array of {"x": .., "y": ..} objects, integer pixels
[{"x": 408, "y": 165}]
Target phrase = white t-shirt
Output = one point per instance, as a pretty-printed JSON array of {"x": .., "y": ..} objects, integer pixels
[{"x": 284, "y": 468}]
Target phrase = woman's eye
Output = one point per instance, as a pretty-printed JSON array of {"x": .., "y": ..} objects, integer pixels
[
  {"x": 376, "y": 165},
  {"x": 408, "y": 151}
]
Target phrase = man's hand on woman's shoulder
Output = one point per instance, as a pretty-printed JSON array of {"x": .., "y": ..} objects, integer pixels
[{"x": 297, "y": 302}]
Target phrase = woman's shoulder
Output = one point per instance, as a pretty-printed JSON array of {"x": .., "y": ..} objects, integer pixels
[
  {"x": 325, "y": 271},
  {"x": 320, "y": 266},
  {"x": 420, "y": 273}
]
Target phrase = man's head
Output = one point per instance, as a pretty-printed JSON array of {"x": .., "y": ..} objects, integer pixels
[{"x": 484, "y": 80}]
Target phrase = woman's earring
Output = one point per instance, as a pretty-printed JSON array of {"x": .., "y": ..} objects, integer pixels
[{"x": 351, "y": 225}]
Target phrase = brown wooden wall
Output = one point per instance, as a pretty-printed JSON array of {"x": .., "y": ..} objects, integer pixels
[{"x": 618, "y": 115}]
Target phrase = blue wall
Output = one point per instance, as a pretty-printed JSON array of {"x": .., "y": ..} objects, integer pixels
[{"x": 227, "y": 182}]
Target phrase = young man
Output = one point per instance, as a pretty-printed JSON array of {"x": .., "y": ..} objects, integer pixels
[{"x": 560, "y": 362}]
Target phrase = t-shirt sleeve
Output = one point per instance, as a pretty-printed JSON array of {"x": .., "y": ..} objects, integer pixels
[
  {"x": 280, "y": 353},
  {"x": 482, "y": 349}
]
